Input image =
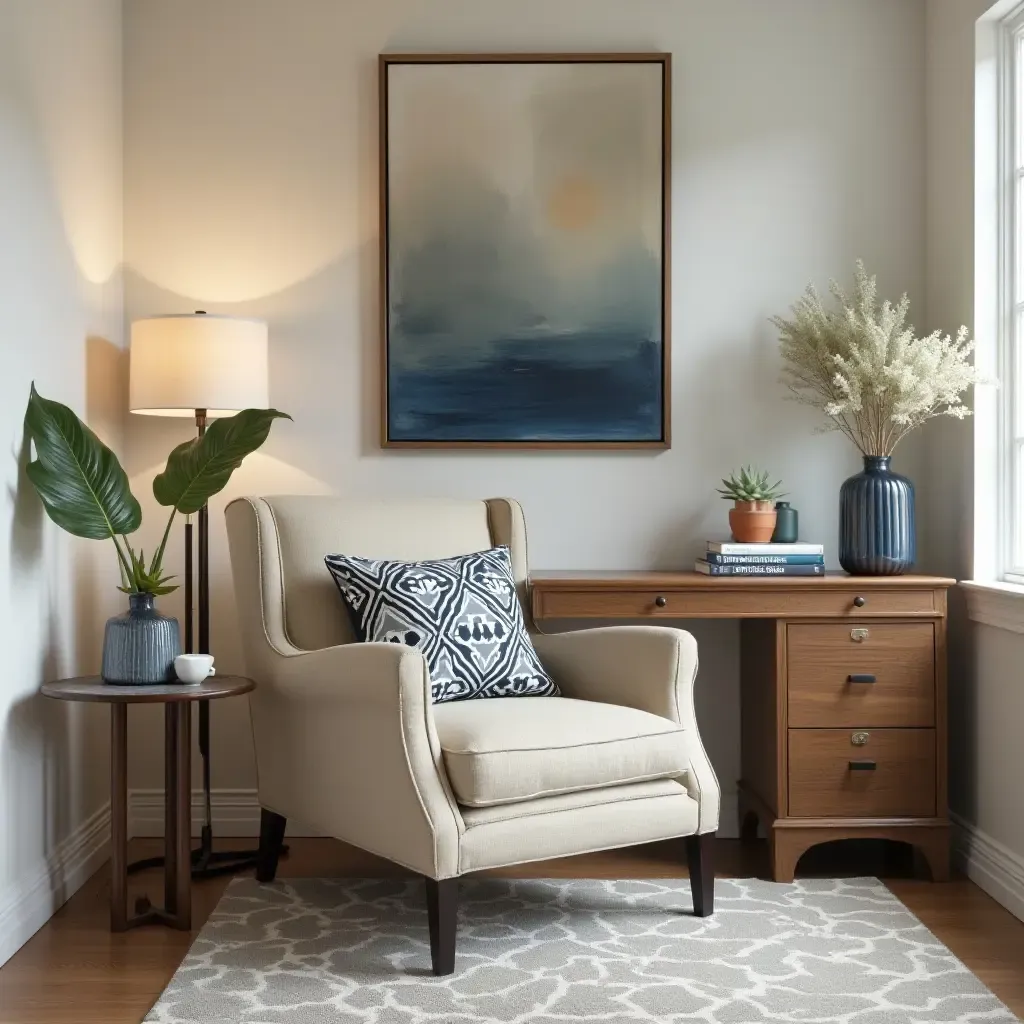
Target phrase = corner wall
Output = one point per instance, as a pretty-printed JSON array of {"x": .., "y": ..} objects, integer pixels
[{"x": 61, "y": 295}]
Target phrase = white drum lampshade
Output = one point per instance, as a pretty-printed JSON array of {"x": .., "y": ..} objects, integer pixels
[{"x": 181, "y": 363}]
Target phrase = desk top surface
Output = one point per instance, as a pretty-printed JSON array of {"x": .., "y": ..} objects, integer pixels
[{"x": 603, "y": 579}]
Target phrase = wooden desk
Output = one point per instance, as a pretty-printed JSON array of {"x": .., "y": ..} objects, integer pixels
[{"x": 843, "y": 690}]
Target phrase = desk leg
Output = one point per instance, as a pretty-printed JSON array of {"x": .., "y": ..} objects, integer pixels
[{"x": 118, "y": 817}]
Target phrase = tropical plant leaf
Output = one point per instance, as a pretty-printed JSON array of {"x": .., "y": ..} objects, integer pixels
[
  {"x": 200, "y": 468},
  {"x": 79, "y": 479}
]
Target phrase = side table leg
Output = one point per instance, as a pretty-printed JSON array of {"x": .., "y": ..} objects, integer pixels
[
  {"x": 118, "y": 817},
  {"x": 171, "y": 823},
  {"x": 182, "y": 771}
]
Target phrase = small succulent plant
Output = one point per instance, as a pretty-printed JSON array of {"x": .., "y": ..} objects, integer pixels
[{"x": 750, "y": 485}]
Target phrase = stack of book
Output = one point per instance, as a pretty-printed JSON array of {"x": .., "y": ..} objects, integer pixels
[{"x": 727, "y": 558}]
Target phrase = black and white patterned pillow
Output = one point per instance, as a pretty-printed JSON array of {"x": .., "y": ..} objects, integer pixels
[{"x": 462, "y": 613}]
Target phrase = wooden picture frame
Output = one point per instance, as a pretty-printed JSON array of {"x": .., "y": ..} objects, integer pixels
[{"x": 439, "y": 381}]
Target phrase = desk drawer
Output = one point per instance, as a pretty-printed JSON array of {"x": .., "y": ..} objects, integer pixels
[
  {"x": 861, "y": 675},
  {"x": 721, "y": 599},
  {"x": 831, "y": 777}
]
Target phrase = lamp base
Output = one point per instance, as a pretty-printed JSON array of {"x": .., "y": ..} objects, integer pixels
[{"x": 207, "y": 862}]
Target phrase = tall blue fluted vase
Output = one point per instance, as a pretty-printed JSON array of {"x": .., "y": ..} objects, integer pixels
[
  {"x": 876, "y": 521},
  {"x": 140, "y": 646}
]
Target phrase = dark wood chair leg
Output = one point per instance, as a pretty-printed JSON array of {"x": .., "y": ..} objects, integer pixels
[
  {"x": 442, "y": 913},
  {"x": 272, "y": 827},
  {"x": 700, "y": 857}
]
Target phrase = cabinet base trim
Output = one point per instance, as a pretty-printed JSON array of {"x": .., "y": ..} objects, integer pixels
[{"x": 859, "y": 824}]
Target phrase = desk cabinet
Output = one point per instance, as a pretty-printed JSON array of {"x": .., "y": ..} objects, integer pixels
[
  {"x": 844, "y": 734},
  {"x": 843, "y": 691}
]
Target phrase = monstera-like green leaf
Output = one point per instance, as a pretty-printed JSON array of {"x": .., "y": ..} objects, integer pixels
[
  {"x": 82, "y": 485},
  {"x": 198, "y": 469}
]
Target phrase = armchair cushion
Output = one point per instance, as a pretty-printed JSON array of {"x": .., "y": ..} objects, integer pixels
[
  {"x": 504, "y": 751},
  {"x": 463, "y": 613}
]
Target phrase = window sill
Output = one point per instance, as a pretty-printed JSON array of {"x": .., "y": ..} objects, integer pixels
[{"x": 996, "y": 604}]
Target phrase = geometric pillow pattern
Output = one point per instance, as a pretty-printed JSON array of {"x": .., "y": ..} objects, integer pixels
[{"x": 463, "y": 613}]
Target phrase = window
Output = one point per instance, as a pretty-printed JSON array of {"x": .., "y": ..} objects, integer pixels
[
  {"x": 1011, "y": 288},
  {"x": 995, "y": 591}
]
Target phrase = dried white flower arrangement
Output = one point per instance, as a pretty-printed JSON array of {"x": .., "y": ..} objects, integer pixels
[{"x": 863, "y": 367}]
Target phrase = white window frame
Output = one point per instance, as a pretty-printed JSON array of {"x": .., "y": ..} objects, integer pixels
[
  {"x": 1010, "y": 290},
  {"x": 995, "y": 593}
]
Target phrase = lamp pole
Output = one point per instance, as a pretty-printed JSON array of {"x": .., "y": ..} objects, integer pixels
[
  {"x": 205, "y": 851},
  {"x": 205, "y": 862}
]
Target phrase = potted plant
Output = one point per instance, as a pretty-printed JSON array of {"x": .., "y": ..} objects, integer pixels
[
  {"x": 875, "y": 381},
  {"x": 85, "y": 491},
  {"x": 752, "y": 517}
]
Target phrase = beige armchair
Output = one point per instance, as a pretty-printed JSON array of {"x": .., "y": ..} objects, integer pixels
[{"x": 348, "y": 742}]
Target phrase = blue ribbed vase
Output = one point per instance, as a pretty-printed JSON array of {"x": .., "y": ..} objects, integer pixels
[
  {"x": 876, "y": 521},
  {"x": 140, "y": 646}
]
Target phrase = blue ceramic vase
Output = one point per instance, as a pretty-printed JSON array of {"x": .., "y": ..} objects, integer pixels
[
  {"x": 140, "y": 646},
  {"x": 876, "y": 521}
]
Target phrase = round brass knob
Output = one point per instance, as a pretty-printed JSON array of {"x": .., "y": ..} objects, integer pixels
[
  {"x": 859, "y": 601},
  {"x": 660, "y": 601}
]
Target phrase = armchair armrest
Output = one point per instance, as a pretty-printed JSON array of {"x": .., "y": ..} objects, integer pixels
[
  {"x": 652, "y": 668},
  {"x": 366, "y": 673},
  {"x": 345, "y": 742}
]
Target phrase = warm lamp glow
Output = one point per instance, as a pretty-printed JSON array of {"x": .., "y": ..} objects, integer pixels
[{"x": 197, "y": 361}]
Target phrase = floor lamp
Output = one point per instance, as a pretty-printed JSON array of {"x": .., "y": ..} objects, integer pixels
[{"x": 202, "y": 366}]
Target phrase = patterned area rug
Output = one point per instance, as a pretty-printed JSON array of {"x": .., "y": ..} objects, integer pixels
[{"x": 318, "y": 951}]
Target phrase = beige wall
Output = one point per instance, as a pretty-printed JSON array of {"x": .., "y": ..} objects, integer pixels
[
  {"x": 251, "y": 186},
  {"x": 60, "y": 291}
]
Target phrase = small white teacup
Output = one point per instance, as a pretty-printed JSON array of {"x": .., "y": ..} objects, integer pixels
[{"x": 194, "y": 668}]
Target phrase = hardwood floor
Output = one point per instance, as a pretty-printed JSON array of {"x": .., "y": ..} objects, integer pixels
[{"x": 74, "y": 971}]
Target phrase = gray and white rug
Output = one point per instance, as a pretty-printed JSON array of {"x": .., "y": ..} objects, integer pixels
[{"x": 319, "y": 951}]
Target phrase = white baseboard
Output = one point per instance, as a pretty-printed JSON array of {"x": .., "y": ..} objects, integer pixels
[
  {"x": 989, "y": 864},
  {"x": 236, "y": 812},
  {"x": 27, "y": 906}
]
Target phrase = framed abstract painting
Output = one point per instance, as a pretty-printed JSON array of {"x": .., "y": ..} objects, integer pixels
[{"x": 525, "y": 250}]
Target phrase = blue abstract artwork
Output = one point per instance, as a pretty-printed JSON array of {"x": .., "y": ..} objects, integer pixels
[{"x": 524, "y": 214}]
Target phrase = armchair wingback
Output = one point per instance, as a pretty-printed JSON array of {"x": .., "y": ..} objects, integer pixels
[{"x": 348, "y": 742}]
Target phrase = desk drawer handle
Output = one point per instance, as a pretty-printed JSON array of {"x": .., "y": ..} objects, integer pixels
[
  {"x": 660, "y": 601},
  {"x": 859, "y": 601},
  {"x": 863, "y": 766},
  {"x": 860, "y": 679}
]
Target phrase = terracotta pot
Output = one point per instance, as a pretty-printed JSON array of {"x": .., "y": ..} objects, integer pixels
[{"x": 752, "y": 522}]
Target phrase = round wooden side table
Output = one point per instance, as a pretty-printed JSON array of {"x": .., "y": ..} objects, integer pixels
[{"x": 177, "y": 699}]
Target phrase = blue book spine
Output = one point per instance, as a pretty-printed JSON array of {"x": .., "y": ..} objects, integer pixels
[
  {"x": 716, "y": 559},
  {"x": 710, "y": 569}
]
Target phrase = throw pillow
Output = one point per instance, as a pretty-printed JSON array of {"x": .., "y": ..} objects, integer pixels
[{"x": 463, "y": 613}]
